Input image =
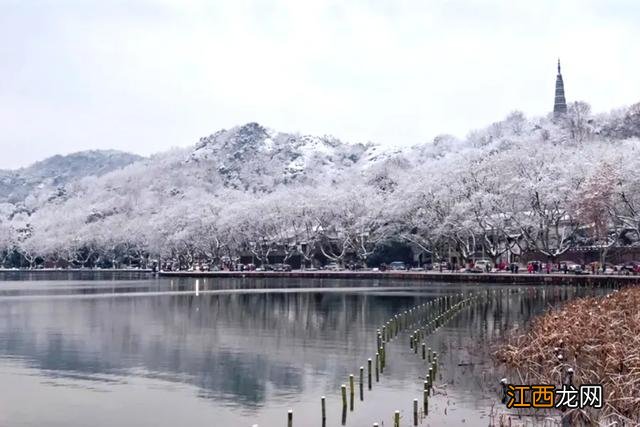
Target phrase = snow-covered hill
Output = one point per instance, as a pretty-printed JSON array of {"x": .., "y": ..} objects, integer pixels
[
  {"x": 253, "y": 188},
  {"x": 254, "y": 158},
  {"x": 54, "y": 173}
]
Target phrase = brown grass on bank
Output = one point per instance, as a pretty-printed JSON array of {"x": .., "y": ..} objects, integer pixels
[{"x": 599, "y": 338}]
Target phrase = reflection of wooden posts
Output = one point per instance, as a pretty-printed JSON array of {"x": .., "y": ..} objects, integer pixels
[
  {"x": 290, "y": 418},
  {"x": 351, "y": 392},
  {"x": 377, "y": 367},
  {"x": 323, "y": 404},
  {"x": 369, "y": 372},
  {"x": 396, "y": 419}
]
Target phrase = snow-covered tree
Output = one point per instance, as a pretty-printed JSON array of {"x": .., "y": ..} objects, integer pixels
[{"x": 536, "y": 183}]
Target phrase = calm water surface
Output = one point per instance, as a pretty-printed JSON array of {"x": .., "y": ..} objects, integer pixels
[{"x": 135, "y": 351}]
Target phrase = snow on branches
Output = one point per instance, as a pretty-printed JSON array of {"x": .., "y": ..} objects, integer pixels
[{"x": 538, "y": 184}]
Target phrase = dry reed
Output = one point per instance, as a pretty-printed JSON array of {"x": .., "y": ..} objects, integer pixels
[{"x": 597, "y": 337}]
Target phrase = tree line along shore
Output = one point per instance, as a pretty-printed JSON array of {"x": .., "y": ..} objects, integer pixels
[{"x": 545, "y": 188}]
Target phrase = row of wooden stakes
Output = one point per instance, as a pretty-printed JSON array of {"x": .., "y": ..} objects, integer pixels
[{"x": 426, "y": 318}]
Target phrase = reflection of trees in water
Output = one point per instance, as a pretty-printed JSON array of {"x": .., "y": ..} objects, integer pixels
[
  {"x": 92, "y": 275},
  {"x": 236, "y": 346},
  {"x": 231, "y": 346}
]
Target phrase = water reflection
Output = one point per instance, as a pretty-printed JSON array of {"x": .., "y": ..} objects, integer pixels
[
  {"x": 230, "y": 346},
  {"x": 249, "y": 352}
]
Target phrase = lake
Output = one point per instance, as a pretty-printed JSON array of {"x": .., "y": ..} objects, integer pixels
[{"x": 134, "y": 350}]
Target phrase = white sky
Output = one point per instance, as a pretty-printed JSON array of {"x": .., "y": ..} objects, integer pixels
[{"x": 144, "y": 76}]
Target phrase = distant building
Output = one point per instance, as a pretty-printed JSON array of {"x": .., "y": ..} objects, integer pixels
[{"x": 560, "y": 103}]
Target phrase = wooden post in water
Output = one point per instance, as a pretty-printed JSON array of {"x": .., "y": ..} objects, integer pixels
[
  {"x": 351, "y": 392},
  {"x": 396, "y": 419},
  {"x": 429, "y": 354},
  {"x": 323, "y": 405},
  {"x": 425, "y": 399},
  {"x": 361, "y": 382},
  {"x": 369, "y": 372},
  {"x": 392, "y": 324},
  {"x": 377, "y": 367},
  {"x": 384, "y": 354},
  {"x": 381, "y": 352},
  {"x": 503, "y": 384},
  {"x": 415, "y": 412},
  {"x": 397, "y": 325},
  {"x": 290, "y": 418},
  {"x": 424, "y": 351},
  {"x": 344, "y": 395}
]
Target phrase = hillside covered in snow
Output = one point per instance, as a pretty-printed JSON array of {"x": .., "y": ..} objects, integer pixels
[
  {"x": 253, "y": 189},
  {"x": 52, "y": 175}
]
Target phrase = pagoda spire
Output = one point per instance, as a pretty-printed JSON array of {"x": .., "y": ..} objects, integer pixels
[{"x": 560, "y": 103}]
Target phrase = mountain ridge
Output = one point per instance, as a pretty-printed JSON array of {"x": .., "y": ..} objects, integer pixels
[{"x": 59, "y": 170}]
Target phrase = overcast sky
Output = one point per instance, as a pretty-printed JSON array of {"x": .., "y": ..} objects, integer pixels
[{"x": 144, "y": 76}]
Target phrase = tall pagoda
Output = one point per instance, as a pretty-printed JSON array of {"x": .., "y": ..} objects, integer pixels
[{"x": 560, "y": 103}]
